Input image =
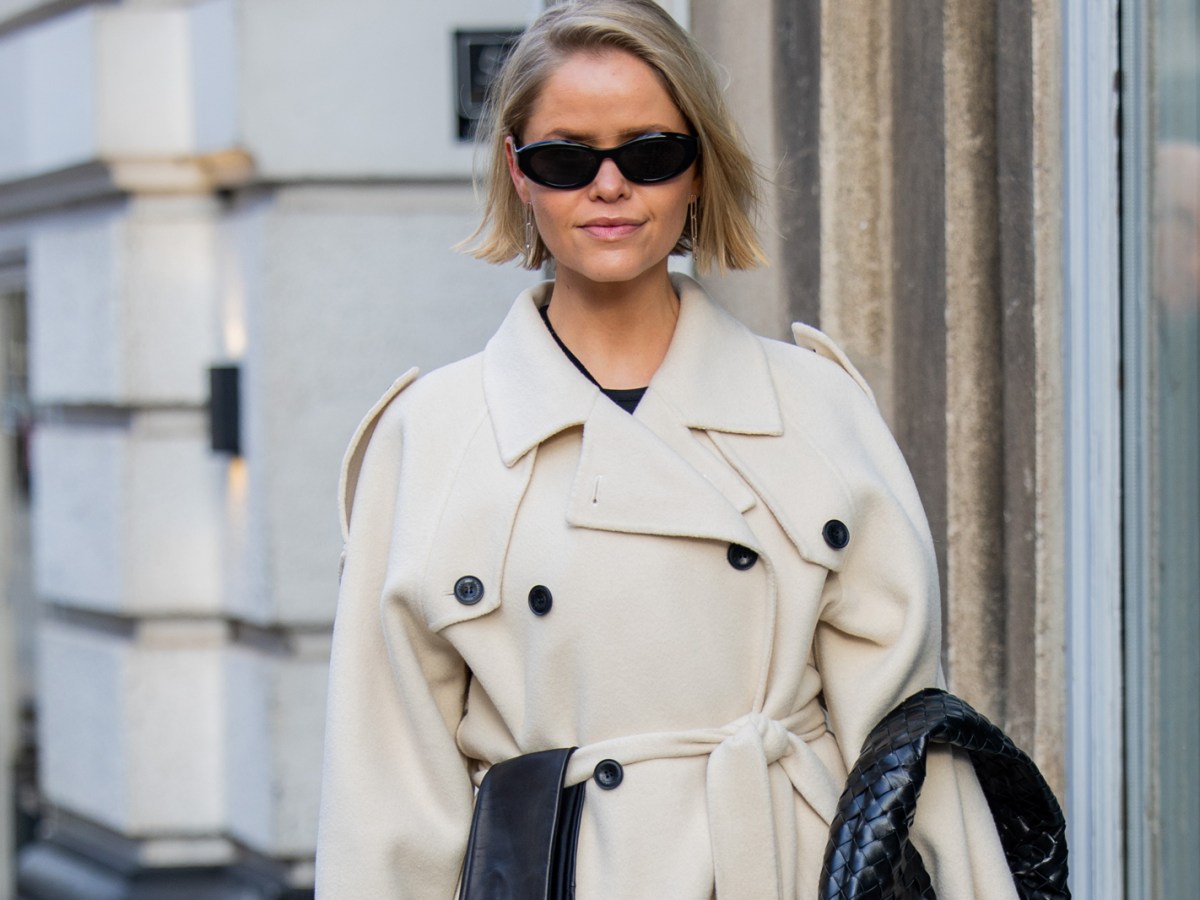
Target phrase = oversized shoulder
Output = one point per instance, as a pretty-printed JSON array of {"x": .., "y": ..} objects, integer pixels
[
  {"x": 438, "y": 399},
  {"x": 827, "y": 405},
  {"x": 826, "y": 402},
  {"x": 815, "y": 378},
  {"x": 816, "y": 341}
]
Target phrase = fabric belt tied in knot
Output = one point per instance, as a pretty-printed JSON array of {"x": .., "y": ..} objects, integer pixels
[
  {"x": 773, "y": 736},
  {"x": 748, "y": 859},
  {"x": 746, "y": 853}
]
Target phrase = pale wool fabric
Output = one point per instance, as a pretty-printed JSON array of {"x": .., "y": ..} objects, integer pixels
[{"x": 734, "y": 699}]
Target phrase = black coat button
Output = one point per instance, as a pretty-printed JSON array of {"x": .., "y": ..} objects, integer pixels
[
  {"x": 468, "y": 590},
  {"x": 836, "y": 534},
  {"x": 608, "y": 773},
  {"x": 741, "y": 558},
  {"x": 540, "y": 599}
]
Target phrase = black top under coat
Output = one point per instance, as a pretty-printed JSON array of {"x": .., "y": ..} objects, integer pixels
[{"x": 626, "y": 398}]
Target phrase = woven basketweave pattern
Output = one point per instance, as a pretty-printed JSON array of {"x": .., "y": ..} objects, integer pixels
[{"x": 869, "y": 855}]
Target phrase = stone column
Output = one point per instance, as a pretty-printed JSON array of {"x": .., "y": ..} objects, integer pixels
[
  {"x": 742, "y": 40},
  {"x": 936, "y": 127},
  {"x": 126, "y": 537}
]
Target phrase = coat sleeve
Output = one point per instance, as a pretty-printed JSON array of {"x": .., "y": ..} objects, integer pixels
[
  {"x": 879, "y": 641},
  {"x": 396, "y": 795}
]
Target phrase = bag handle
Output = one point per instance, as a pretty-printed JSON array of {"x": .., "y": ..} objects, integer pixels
[{"x": 869, "y": 854}]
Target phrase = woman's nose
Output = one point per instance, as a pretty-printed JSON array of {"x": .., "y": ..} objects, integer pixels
[{"x": 609, "y": 183}]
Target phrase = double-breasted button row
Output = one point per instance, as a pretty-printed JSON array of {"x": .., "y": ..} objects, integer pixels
[
  {"x": 741, "y": 558},
  {"x": 468, "y": 590},
  {"x": 608, "y": 774},
  {"x": 836, "y": 534},
  {"x": 540, "y": 599}
]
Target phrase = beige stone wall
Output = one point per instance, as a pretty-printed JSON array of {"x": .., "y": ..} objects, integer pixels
[
  {"x": 975, "y": 589},
  {"x": 737, "y": 35},
  {"x": 1049, "y": 740},
  {"x": 988, "y": 452},
  {"x": 856, "y": 186}
]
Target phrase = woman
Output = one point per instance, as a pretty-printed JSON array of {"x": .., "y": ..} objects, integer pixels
[{"x": 628, "y": 526}]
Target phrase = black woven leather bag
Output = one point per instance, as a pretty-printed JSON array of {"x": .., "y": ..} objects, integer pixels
[{"x": 869, "y": 855}]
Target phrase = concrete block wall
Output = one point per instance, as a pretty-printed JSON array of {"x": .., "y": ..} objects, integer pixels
[
  {"x": 237, "y": 204},
  {"x": 347, "y": 289},
  {"x": 274, "y": 705},
  {"x": 11, "y": 9},
  {"x": 124, "y": 313},
  {"x": 126, "y": 517},
  {"x": 343, "y": 288},
  {"x": 96, "y": 82},
  {"x": 144, "y": 717},
  {"x": 122, "y": 327}
]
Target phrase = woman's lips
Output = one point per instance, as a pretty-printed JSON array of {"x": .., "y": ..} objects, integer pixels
[{"x": 611, "y": 229}]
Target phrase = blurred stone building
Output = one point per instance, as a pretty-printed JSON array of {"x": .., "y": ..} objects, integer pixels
[{"x": 226, "y": 226}]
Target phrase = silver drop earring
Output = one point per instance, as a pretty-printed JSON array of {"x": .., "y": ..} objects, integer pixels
[
  {"x": 528, "y": 234},
  {"x": 695, "y": 233}
]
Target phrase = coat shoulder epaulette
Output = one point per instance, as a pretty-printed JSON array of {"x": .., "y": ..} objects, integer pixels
[
  {"x": 353, "y": 460},
  {"x": 820, "y": 343}
]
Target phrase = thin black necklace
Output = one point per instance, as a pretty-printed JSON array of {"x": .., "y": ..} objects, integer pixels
[
  {"x": 626, "y": 398},
  {"x": 545, "y": 311}
]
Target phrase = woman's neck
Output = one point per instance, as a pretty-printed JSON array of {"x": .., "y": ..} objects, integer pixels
[{"x": 620, "y": 332}]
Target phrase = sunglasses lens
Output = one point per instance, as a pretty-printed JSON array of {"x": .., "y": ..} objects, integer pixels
[
  {"x": 644, "y": 160},
  {"x": 560, "y": 166},
  {"x": 655, "y": 159}
]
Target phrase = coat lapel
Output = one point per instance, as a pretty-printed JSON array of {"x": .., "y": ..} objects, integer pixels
[
  {"x": 631, "y": 480},
  {"x": 532, "y": 390},
  {"x": 646, "y": 473},
  {"x": 667, "y": 423},
  {"x": 803, "y": 492},
  {"x": 715, "y": 374}
]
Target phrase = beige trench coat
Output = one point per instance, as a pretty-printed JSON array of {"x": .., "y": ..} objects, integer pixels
[{"x": 733, "y": 696}]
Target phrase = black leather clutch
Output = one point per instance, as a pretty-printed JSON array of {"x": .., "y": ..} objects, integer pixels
[{"x": 524, "y": 831}]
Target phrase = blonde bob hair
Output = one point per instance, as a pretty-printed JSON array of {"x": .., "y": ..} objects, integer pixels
[{"x": 724, "y": 229}]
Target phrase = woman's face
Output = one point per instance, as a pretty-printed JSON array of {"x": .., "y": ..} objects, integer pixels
[{"x": 612, "y": 230}]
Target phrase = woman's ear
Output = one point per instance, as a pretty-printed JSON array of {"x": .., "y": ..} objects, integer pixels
[{"x": 514, "y": 171}]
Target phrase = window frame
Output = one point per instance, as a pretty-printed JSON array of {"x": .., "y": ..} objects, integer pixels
[{"x": 1092, "y": 447}]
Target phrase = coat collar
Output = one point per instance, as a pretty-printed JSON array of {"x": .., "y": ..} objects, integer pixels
[{"x": 715, "y": 375}]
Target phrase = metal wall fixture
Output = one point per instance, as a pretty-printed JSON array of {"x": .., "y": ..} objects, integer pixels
[
  {"x": 478, "y": 56},
  {"x": 224, "y": 408}
]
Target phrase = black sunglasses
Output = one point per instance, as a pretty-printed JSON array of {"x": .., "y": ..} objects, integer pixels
[{"x": 648, "y": 159}]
